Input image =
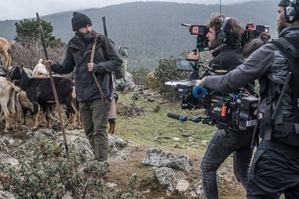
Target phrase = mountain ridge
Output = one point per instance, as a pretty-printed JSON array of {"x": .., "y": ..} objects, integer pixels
[{"x": 151, "y": 30}]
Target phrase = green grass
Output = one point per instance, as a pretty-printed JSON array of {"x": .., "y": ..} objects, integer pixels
[{"x": 153, "y": 127}]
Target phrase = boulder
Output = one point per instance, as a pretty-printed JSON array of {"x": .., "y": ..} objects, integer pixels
[
  {"x": 182, "y": 186},
  {"x": 6, "y": 195},
  {"x": 8, "y": 161},
  {"x": 166, "y": 177},
  {"x": 159, "y": 158}
]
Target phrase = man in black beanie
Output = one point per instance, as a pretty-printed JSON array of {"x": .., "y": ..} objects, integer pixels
[
  {"x": 79, "y": 20},
  {"x": 94, "y": 102}
]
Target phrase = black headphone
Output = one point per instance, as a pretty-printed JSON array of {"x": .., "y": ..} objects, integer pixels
[
  {"x": 291, "y": 12},
  {"x": 221, "y": 37}
]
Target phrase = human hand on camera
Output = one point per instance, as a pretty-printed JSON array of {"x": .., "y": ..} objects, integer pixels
[
  {"x": 90, "y": 67},
  {"x": 194, "y": 55},
  {"x": 200, "y": 82}
]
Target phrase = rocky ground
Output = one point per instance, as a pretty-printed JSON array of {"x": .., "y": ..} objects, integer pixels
[
  {"x": 135, "y": 171},
  {"x": 150, "y": 157}
]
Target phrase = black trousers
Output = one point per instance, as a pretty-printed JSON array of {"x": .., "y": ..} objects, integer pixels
[
  {"x": 220, "y": 147},
  {"x": 274, "y": 170}
]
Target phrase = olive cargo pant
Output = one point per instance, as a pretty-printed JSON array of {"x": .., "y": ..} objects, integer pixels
[{"x": 94, "y": 116}]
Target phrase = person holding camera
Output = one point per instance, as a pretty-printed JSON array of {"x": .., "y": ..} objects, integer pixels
[
  {"x": 254, "y": 44},
  {"x": 94, "y": 57},
  {"x": 224, "y": 39},
  {"x": 275, "y": 167}
]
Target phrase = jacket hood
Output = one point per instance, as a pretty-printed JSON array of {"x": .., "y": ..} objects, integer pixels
[{"x": 289, "y": 30}]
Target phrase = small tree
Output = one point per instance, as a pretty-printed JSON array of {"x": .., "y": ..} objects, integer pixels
[
  {"x": 167, "y": 71},
  {"x": 28, "y": 33},
  {"x": 28, "y": 47}
]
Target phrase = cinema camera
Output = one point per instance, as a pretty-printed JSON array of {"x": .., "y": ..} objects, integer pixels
[
  {"x": 225, "y": 110},
  {"x": 253, "y": 31}
]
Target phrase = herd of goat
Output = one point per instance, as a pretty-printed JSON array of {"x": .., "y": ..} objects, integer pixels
[{"x": 22, "y": 93}]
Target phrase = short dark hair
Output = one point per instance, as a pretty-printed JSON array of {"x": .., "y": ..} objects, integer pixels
[
  {"x": 233, "y": 29},
  {"x": 255, "y": 44}
]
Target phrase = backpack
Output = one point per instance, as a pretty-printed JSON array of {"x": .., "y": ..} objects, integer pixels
[
  {"x": 288, "y": 131},
  {"x": 124, "y": 56},
  {"x": 292, "y": 55}
]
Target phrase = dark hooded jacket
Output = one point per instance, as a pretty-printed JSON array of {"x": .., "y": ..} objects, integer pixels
[
  {"x": 106, "y": 59},
  {"x": 226, "y": 58}
]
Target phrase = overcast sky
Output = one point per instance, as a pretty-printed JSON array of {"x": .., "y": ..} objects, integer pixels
[{"x": 20, "y": 9}]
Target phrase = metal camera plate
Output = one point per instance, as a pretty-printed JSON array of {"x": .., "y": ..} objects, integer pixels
[{"x": 181, "y": 82}]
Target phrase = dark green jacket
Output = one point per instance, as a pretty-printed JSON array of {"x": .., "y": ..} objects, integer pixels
[{"x": 106, "y": 59}]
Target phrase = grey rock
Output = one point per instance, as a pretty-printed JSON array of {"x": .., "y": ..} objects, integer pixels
[
  {"x": 166, "y": 177},
  {"x": 197, "y": 191},
  {"x": 116, "y": 142},
  {"x": 127, "y": 83},
  {"x": 10, "y": 141},
  {"x": 42, "y": 134},
  {"x": 67, "y": 195},
  {"x": 116, "y": 148},
  {"x": 7, "y": 161},
  {"x": 182, "y": 186},
  {"x": 159, "y": 158},
  {"x": 79, "y": 145},
  {"x": 111, "y": 185},
  {"x": 6, "y": 195}
]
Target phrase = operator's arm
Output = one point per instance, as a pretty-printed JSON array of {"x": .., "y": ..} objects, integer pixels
[
  {"x": 113, "y": 61},
  {"x": 67, "y": 65},
  {"x": 255, "y": 66}
]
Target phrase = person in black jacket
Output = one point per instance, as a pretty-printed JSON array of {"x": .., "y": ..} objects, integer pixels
[
  {"x": 93, "y": 104},
  {"x": 275, "y": 167},
  {"x": 224, "y": 38}
]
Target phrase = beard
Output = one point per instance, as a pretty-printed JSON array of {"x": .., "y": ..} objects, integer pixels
[
  {"x": 89, "y": 36},
  {"x": 213, "y": 44},
  {"x": 281, "y": 26}
]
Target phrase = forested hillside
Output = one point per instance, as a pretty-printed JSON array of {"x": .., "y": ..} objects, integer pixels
[{"x": 152, "y": 30}]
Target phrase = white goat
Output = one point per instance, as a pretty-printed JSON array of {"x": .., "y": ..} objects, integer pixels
[{"x": 40, "y": 70}]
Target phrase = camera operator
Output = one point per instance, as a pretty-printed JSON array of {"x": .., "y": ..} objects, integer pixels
[
  {"x": 275, "y": 167},
  {"x": 255, "y": 44},
  {"x": 224, "y": 38}
]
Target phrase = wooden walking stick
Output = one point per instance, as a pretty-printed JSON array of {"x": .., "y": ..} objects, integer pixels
[{"x": 53, "y": 86}]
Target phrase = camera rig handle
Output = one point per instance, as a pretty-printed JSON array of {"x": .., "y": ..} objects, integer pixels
[{"x": 195, "y": 119}]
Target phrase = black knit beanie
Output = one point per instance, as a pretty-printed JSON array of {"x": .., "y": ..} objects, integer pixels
[
  {"x": 285, "y": 3},
  {"x": 79, "y": 20}
]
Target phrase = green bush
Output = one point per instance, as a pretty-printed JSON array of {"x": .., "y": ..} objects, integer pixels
[
  {"x": 139, "y": 75},
  {"x": 44, "y": 172},
  {"x": 167, "y": 71}
]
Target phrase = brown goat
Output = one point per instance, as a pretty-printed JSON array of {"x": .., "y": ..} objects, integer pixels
[
  {"x": 4, "y": 46},
  {"x": 7, "y": 102}
]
